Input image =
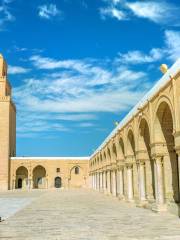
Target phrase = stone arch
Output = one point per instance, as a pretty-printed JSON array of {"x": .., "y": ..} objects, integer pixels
[
  {"x": 109, "y": 153},
  {"x": 121, "y": 148},
  {"x": 130, "y": 143},
  {"x": 39, "y": 177},
  {"x": 76, "y": 180},
  {"x": 21, "y": 177},
  {"x": 144, "y": 148},
  {"x": 104, "y": 155},
  {"x": 165, "y": 101},
  {"x": 114, "y": 150},
  {"x": 163, "y": 136}
]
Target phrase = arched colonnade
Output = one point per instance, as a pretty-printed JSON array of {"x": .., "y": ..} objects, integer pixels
[{"x": 140, "y": 162}]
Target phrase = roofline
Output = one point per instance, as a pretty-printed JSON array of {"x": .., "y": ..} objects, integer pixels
[
  {"x": 154, "y": 90},
  {"x": 50, "y": 158}
]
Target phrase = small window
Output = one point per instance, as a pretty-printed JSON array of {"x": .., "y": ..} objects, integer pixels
[
  {"x": 57, "y": 169},
  {"x": 76, "y": 170}
]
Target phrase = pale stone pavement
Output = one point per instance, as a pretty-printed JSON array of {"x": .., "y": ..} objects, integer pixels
[{"x": 83, "y": 215}]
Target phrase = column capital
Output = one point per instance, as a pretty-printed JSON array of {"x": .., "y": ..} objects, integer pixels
[{"x": 129, "y": 164}]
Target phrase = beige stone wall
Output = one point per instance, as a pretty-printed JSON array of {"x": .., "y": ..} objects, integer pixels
[
  {"x": 30, "y": 169},
  {"x": 145, "y": 152}
]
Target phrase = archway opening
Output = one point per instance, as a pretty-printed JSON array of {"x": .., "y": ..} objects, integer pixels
[
  {"x": 76, "y": 177},
  {"x": 39, "y": 177},
  {"x": 131, "y": 144},
  {"x": 57, "y": 182},
  {"x": 144, "y": 145},
  {"x": 164, "y": 135},
  {"x": 21, "y": 177}
]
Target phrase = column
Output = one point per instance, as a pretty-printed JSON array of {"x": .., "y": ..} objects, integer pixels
[
  {"x": 178, "y": 153},
  {"x": 95, "y": 181},
  {"x": 108, "y": 182},
  {"x": 129, "y": 183},
  {"x": 121, "y": 184},
  {"x": 14, "y": 184},
  {"x": 142, "y": 181},
  {"x": 93, "y": 176},
  {"x": 104, "y": 182},
  {"x": 100, "y": 181},
  {"x": 160, "y": 200},
  {"x": 114, "y": 184}
]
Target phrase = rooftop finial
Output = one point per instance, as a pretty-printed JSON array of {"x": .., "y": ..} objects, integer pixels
[{"x": 163, "y": 68}]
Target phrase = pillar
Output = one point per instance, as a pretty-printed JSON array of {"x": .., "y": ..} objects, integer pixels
[
  {"x": 114, "y": 183},
  {"x": 95, "y": 181},
  {"x": 178, "y": 153},
  {"x": 108, "y": 182},
  {"x": 129, "y": 183},
  {"x": 160, "y": 200},
  {"x": 142, "y": 187},
  {"x": 98, "y": 181},
  {"x": 93, "y": 176},
  {"x": 104, "y": 182},
  {"x": 121, "y": 184}
]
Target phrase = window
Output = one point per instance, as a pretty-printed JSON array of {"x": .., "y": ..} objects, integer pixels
[
  {"x": 76, "y": 170},
  {"x": 57, "y": 169}
]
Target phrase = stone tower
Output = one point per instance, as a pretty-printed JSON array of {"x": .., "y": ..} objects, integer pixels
[{"x": 7, "y": 127}]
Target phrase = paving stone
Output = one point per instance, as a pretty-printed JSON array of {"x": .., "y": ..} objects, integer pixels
[{"x": 83, "y": 215}]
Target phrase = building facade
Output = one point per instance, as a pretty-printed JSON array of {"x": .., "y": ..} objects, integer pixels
[
  {"x": 29, "y": 173},
  {"x": 140, "y": 160}
]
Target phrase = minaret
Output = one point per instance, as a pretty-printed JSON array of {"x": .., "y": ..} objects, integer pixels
[{"x": 7, "y": 127}]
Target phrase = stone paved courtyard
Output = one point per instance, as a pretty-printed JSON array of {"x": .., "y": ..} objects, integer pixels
[{"x": 80, "y": 215}]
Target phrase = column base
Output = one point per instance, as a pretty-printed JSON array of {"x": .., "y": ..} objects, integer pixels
[
  {"x": 121, "y": 197},
  {"x": 142, "y": 203},
  {"x": 159, "y": 207},
  {"x": 130, "y": 200}
]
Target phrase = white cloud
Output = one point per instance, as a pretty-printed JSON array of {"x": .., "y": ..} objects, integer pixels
[
  {"x": 172, "y": 40},
  {"x": 138, "y": 57},
  {"x": 112, "y": 12},
  {"x": 5, "y": 14},
  {"x": 160, "y": 12},
  {"x": 92, "y": 89},
  {"x": 17, "y": 70},
  {"x": 48, "y": 11},
  {"x": 170, "y": 50}
]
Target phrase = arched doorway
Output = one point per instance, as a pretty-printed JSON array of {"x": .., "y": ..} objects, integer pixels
[
  {"x": 20, "y": 183},
  {"x": 21, "y": 178},
  {"x": 144, "y": 146},
  {"x": 57, "y": 182},
  {"x": 163, "y": 132},
  {"x": 76, "y": 177},
  {"x": 39, "y": 177}
]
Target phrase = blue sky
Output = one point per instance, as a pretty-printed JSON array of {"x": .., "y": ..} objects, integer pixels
[{"x": 76, "y": 66}]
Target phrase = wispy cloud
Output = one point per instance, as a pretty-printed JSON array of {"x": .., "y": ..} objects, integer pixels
[
  {"x": 170, "y": 50},
  {"x": 172, "y": 39},
  {"x": 17, "y": 70},
  {"x": 160, "y": 12},
  {"x": 138, "y": 57},
  {"x": 48, "y": 11},
  {"x": 112, "y": 12},
  {"x": 75, "y": 90},
  {"x": 5, "y": 14}
]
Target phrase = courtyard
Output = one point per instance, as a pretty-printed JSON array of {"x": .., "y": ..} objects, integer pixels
[{"x": 80, "y": 215}]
